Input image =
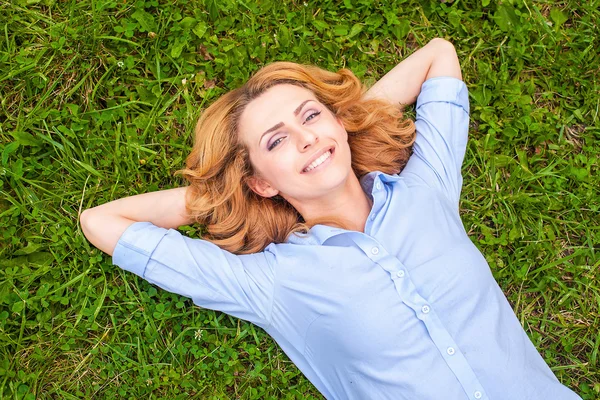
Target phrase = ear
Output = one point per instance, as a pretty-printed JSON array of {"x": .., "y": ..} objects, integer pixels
[{"x": 262, "y": 187}]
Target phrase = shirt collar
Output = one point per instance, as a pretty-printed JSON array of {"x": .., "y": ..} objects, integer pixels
[{"x": 318, "y": 234}]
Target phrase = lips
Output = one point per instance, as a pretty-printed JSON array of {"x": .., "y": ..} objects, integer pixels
[{"x": 316, "y": 156}]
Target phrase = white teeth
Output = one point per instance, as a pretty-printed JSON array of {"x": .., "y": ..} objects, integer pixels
[{"x": 318, "y": 161}]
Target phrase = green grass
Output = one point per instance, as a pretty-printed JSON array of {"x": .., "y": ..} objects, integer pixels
[{"x": 94, "y": 107}]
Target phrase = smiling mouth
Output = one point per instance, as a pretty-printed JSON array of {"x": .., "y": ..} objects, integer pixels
[{"x": 323, "y": 159}]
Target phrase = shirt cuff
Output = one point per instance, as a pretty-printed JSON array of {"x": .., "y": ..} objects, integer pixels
[
  {"x": 136, "y": 245},
  {"x": 444, "y": 89}
]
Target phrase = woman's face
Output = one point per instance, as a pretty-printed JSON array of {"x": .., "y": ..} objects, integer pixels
[{"x": 286, "y": 130}]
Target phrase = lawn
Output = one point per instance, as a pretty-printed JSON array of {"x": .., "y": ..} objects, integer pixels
[{"x": 98, "y": 101}]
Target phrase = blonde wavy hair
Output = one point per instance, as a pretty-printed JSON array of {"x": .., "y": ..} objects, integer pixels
[{"x": 218, "y": 168}]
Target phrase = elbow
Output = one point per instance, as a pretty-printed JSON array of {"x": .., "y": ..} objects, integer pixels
[
  {"x": 444, "y": 44},
  {"x": 85, "y": 222},
  {"x": 91, "y": 222},
  {"x": 103, "y": 229},
  {"x": 445, "y": 61},
  {"x": 93, "y": 226}
]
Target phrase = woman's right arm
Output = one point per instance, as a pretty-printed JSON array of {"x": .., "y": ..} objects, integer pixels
[
  {"x": 239, "y": 285},
  {"x": 103, "y": 225}
]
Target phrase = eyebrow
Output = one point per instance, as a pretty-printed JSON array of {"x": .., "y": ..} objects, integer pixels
[{"x": 279, "y": 125}]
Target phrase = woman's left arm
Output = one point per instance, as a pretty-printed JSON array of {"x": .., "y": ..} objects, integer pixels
[{"x": 403, "y": 83}]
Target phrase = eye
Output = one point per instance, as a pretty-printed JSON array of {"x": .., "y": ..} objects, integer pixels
[
  {"x": 311, "y": 116},
  {"x": 275, "y": 143}
]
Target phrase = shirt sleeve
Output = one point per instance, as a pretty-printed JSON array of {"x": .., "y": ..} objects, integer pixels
[
  {"x": 213, "y": 278},
  {"x": 442, "y": 124}
]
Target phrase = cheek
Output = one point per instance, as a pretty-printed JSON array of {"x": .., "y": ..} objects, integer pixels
[
  {"x": 336, "y": 125},
  {"x": 284, "y": 165},
  {"x": 278, "y": 169}
]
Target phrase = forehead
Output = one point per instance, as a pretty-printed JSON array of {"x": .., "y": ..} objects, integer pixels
[{"x": 275, "y": 105}]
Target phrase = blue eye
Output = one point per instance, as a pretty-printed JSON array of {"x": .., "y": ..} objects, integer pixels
[
  {"x": 311, "y": 116},
  {"x": 275, "y": 143}
]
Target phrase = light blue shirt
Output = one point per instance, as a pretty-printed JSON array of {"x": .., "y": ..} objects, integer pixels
[{"x": 406, "y": 310}]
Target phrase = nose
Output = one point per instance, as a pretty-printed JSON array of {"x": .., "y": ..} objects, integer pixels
[{"x": 307, "y": 138}]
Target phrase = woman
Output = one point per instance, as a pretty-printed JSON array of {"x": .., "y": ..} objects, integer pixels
[{"x": 325, "y": 233}]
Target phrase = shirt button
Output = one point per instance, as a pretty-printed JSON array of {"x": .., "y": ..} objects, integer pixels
[
  {"x": 378, "y": 185},
  {"x": 450, "y": 351},
  {"x": 400, "y": 274},
  {"x": 477, "y": 394},
  {"x": 425, "y": 309},
  {"x": 375, "y": 250}
]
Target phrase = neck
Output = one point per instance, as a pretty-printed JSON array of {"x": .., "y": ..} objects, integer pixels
[{"x": 349, "y": 203}]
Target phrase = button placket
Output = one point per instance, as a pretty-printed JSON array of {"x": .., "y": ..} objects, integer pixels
[
  {"x": 409, "y": 295},
  {"x": 439, "y": 335}
]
